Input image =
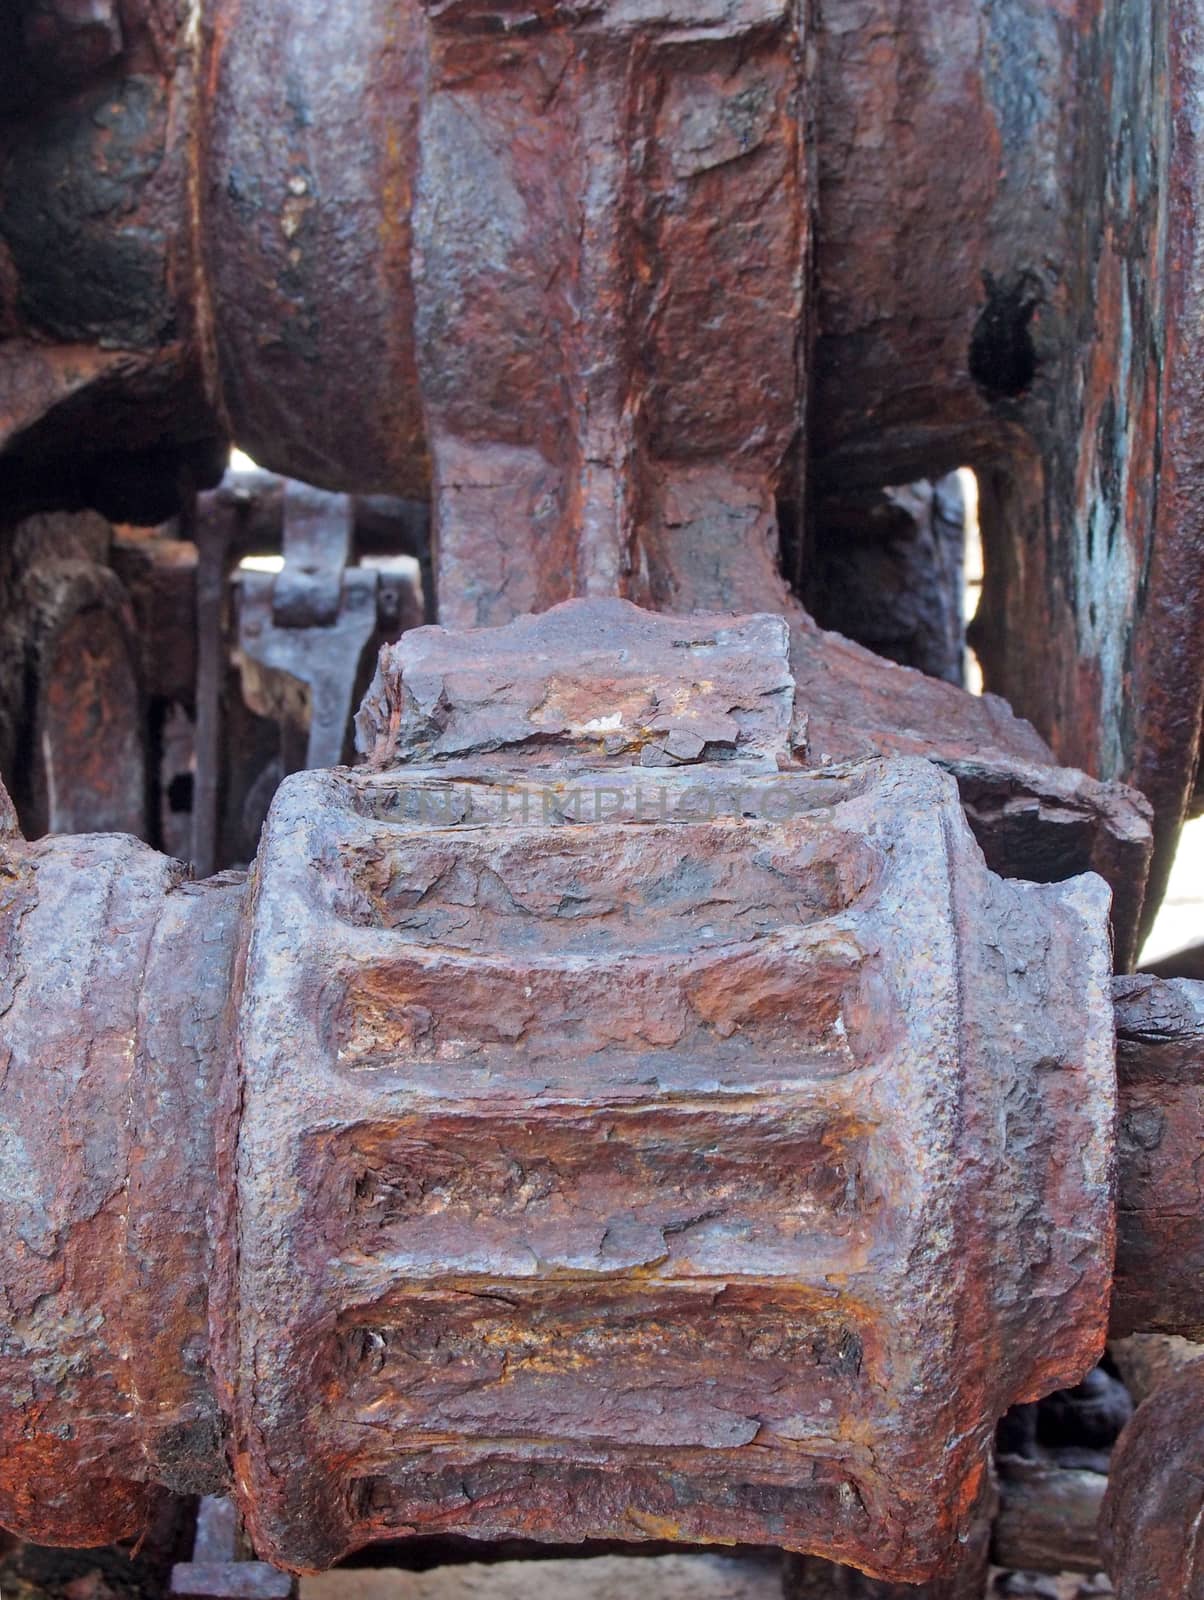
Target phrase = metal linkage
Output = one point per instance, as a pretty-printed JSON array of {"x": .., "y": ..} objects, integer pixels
[
  {"x": 314, "y": 621},
  {"x": 294, "y": 647}
]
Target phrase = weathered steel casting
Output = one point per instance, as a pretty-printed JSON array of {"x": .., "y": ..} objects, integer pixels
[
  {"x": 1150, "y": 1524},
  {"x": 1160, "y": 1054},
  {"x": 616, "y": 283},
  {"x": 587, "y": 1121},
  {"x": 642, "y": 1101},
  {"x": 70, "y": 702}
]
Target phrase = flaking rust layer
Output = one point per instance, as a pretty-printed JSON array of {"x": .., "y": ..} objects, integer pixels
[
  {"x": 662, "y": 1165},
  {"x": 587, "y": 1122}
]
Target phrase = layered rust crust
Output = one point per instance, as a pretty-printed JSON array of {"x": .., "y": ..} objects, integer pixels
[
  {"x": 669, "y": 1150},
  {"x": 116, "y": 976},
  {"x": 620, "y": 1131},
  {"x": 1150, "y": 1521}
]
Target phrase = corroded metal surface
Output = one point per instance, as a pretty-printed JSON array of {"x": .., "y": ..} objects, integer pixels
[
  {"x": 1028, "y": 305},
  {"x": 1033, "y": 819},
  {"x": 115, "y": 976},
  {"x": 616, "y": 284},
  {"x": 639, "y": 1167},
  {"x": 595, "y": 684},
  {"x": 105, "y": 395},
  {"x": 746, "y": 1161},
  {"x": 1150, "y": 1522},
  {"x": 1160, "y": 1250},
  {"x": 311, "y": 141},
  {"x": 558, "y": 1206},
  {"x": 621, "y": 198}
]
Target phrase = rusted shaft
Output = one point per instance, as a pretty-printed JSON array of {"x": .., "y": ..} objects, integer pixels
[
  {"x": 1160, "y": 1236},
  {"x": 1150, "y": 1522},
  {"x": 116, "y": 973}
]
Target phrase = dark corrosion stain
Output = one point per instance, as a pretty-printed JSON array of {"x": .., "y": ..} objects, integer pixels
[
  {"x": 1003, "y": 357},
  {"x": 1110, "y": 446},
  {"x": 90, "y": 267}
]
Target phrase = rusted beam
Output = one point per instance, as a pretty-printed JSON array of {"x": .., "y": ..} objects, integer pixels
[
  {"x": 72, "y": 726},
  {"x": 1047, "y": 1518},
  {"x": 212, "y": 536},
  {"x": 159, "y": 571}
]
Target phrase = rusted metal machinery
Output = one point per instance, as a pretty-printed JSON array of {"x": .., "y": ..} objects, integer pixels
[
  {"x": 152, "y": 683},
  {"x": 588, "y": 1121},
  {"x": 618, "y": 283},
  {"x": 1152, "y": 1514},
  {"x": 670, "y": 1090}
]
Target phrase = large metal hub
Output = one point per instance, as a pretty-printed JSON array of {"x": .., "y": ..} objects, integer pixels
[{"x": 587, "y": 1122}]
